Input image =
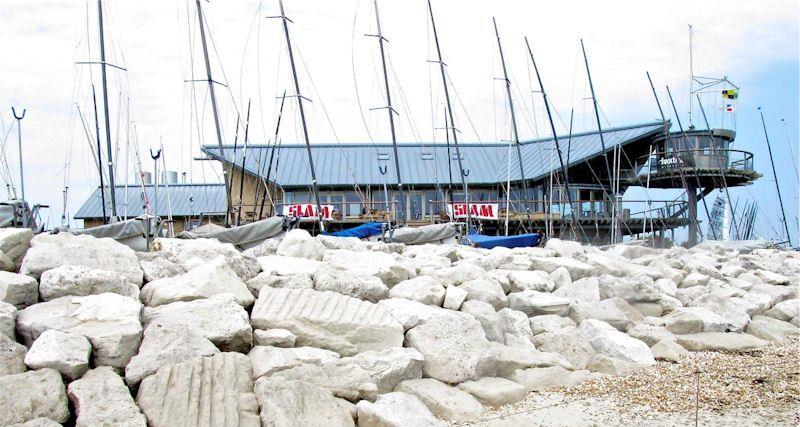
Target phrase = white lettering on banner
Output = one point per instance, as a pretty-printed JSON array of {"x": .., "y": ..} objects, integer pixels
[
  {"x": 476, "y": 210},
  {"x": 302, "y": 210}
]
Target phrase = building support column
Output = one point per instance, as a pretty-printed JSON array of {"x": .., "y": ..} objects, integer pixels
[{"x": 691, "y": 197}]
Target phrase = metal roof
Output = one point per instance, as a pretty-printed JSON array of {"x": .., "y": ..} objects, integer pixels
[
  {"x": 420, "y": 163},
  {"x": 185, "y": 200}
]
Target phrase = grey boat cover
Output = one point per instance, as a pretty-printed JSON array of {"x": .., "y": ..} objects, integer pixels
[
  {"x": 6, "y": 216},
  {"x": 244, "y": 236},
  {"x": 424, "y": 234},
  {"x": 131, "y": 233}
]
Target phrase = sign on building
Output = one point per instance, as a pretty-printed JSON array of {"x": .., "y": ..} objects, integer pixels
[
  {"x": 303, "y": 210},
  {"x": 476, "y": 210}
]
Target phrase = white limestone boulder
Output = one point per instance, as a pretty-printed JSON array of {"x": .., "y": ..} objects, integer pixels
[
  {"x": 719, "y": 341},
  {"x": 109, "y": 321},
  {"x": 412, "y": 313},
  {"x": 286, "y": 403},
  {"x": 541, "y": 379},
  {"x": 586, "y": 290},
  {"x": 101, "y": 398},
  {"x": 269, "y": 360},
  {"x": 77, "y": 280},
  {"x": 608, "y": 365},
  {"x": 613, "y": 343},
  {"x": 569, "y": 343},
  {"x": 650, "y": 334},
  {"x": 454, "y": 297},
  {"x": 265, "y": 248},
  {"x": 191, "y": 253},
  {"x": 266, "y": 279},
  {"x": 637, "y": 289},
  {"x": 494, "y": 391},
  {"x": 165, "y": 344},
  {"x": 614, "y": 311},
  {"x": 12, "y": 356},
  {"x": 560, "y": 277},
  {"x": 389, "y": 267},
  {"x": 299, "y": 244},
  {"x": 49, "y": 251},
  {"x": 455, "y": 350},
  {"x": 564, "y": 248},
  {"x": 694, "y": 279},
  {"x": 535, "y": 303},
  {"x": 274, "y": 337},
  {"x": 735, "y": 317},
  {"x": 214, "y": 277},
  {"x": 489, "y": 319},
  {"x": 771, "y": 329},
  {"x": 8, "y": 319},
  {"x": 204, "y": 391},
  {"x": 689, "y": 320},
  {"x": 577, "y": 269},
  {"x": 14, "y": 243},
  {"x": 533, "y": 280},
  {"x": 424, "y": 289},
  {"x": 668, "y": 349},
  {"x": 18, "y": 290},
  {"x": 458, "y": 274},
  {"x": 155, "y": 265},
  {"x": 368, "y": 288},
  {"x": 394, "y": 410},
  {"x": 486, "y": 290},
  {"x": 549, "y": 323},
  {"x": 327, "y": 320},
  {"x": 785, "y": 310},
  {"x": 220, "y": 319},
  {"x": 516, "y": 328},
  {"x": 65, "y": 352},
  {"x": 276, "y": 265},
  {"x": 33, "y": 394},
  {"x": 444, "y": 401}
]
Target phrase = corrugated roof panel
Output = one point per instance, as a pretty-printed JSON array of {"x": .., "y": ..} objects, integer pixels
[{"x": 184, "y": 199}]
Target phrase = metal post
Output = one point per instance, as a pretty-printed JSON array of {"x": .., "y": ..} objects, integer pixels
[
  {"x": 302, "y": 116},
  {"x": 19, "y": 143},
  {"x": 241, "y": 170},
  {"x": 155, "y": 182},
  {"x": 110, "y": 159},
  {"x": 391, "y": 111},
  {"x": 271, "y": 158},
  {"x": 216, "y": 114},
  {"x": 450, "y": 113},
  {"x": 775, "y": 176},
  {"x": 99, "y": 157}
]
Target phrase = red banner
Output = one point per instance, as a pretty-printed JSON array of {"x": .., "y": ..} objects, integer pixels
[
  {"x": 302, "y": 210},
  {"x": 476, "y": 210}
]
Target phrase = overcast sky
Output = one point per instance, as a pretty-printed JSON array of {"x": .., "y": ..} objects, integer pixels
[{"x": 754, "y": 43}]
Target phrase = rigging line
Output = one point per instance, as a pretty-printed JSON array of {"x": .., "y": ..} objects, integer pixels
[
  {"x": 404, "y": 101},
  {"x": 244, "y": 51},
  {"x": 355, "y": 79}
]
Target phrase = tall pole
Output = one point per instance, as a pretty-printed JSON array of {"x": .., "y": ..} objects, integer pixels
[
  {"x": 513, "y": 127},
  {"x": 391, "y": 112},
  {"x": 19, "y": 144},
  {"x": 555, "y": 138},
  {"x": 105, "y": 110},
  {"x": 272, "y": 156},
  {"x": 99, "y": 157},
  {"x": 450, "y": 114},
  {"x": 241, "y": 170},
  {"x": 691, "y": 75},
  {"x": 302, "y": 116},
  {"x": 775, "y": 176},
  {"x": 615, "y": 224},
  {"x": 216, "y": 114}
]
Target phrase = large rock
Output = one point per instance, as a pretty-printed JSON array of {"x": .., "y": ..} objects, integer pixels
[
  {"x": 389, "y": 267},
  {"x": 614, "y": 311},
  {"x": 490, "y": 320},
  {"x": 412, "y": 313},
  {"x": 269, "y": 360},
  {"x": 266, "y": 279},
  {"x": 549, "y": 323},
  {"x": 204, "y": 281},
  {"x": 577, "y": 269},
  {"x": 455, "y": 350},
  {"x": 190, "y": 253},
  {"x": 363, "y": 376},
  {"x": 650, "y": 334},
  {"x": 274, "y": 337},
  {"x": 395, "y": 410},
  {"x": 516, "y": 328},
  {"x": 785, "y": 310},
  {"x": 31, "y": 395},
  {"x": 155, "y": 265},
  {"x": 586, "y": 290},
  {"x": 77, "y": 280},
  {"x": 299, "y": 244},
  {"x": 287, "y": 266},
  {"x": 446, "y": 402},
  {"x": 220, "y": 319},
  {"x": 65, "y": 352},
  {"x": 18, "y": 290},
  {"x": 49, "y": 251},
  {"x": 165, "y": 344},
  {"x": 296, "y": 403},
  {"x": 101, "y": 398},
  {"x": 486, "y": 290},
  {"x": 541, "y": 379},
  {"x": 771, "y": 329},
  {"x": 569, "y": 343},
  {"x": 328, "y": 320},
  {"x": 564, "y": 248},
  {"x": 8, "y": 319},
  {"x": 736, "y": 318},
  {"x": 14, "y": 243},
  {"x": 109, "y": 321},
  {"x": 369, "y": 288},
  {"x": 454, "y": 297},
  {"x": 638, "y": 289},
  {"x": 689, "y": 320},
  {"x": 424, "y": 289},
  {"x": 458, "y": 274},
  {"x": 668, "y": 349},
  {"x": 533, "y": 280},
  {"x": 12, "y": 356},
  {"x": 494, "y": 391},
  {"x": 730, "y": 342},
  {"x": 613, "y": 343},
  {"x": 535, "y": 303},
  {"x": 204, "y": 391}
]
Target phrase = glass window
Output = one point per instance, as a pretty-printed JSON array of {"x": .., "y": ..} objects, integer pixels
[{"x": 353, "y": 204}]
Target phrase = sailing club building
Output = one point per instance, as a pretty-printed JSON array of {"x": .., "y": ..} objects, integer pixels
[{"x": 357, "y": 182}]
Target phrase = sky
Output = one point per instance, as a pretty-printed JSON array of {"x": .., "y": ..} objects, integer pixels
[{"x": 754, "y": 44}]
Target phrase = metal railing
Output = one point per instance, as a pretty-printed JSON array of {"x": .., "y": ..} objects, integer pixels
[{"x": 708, "y": 158}]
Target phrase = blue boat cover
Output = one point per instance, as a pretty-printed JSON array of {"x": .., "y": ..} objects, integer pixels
[
  {"x": 518, "y": 241},
  {"x": 361, "y": 231}
]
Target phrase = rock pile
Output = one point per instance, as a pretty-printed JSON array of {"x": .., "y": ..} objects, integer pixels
[{"x": 322, "y": 331}]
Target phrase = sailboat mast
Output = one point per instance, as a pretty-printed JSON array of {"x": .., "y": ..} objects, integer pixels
[
  {"x": 272, "y": 157},
  {"x": 216, "y": 113},
  {"x": 450, "y": 114},
  {"x": 105, "y": 110},
  {"x": 775, "y": 176},
  {"x": 691, "y": 75},
  {"x": 513, "y": 127},
  {"x": 572, "y": 207},
  {"x": 390, "y": 110},
  {"x": 302, "y": 116},
  {"x": 99, "y": 156},
  {"x": 241, "y": 169}
]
